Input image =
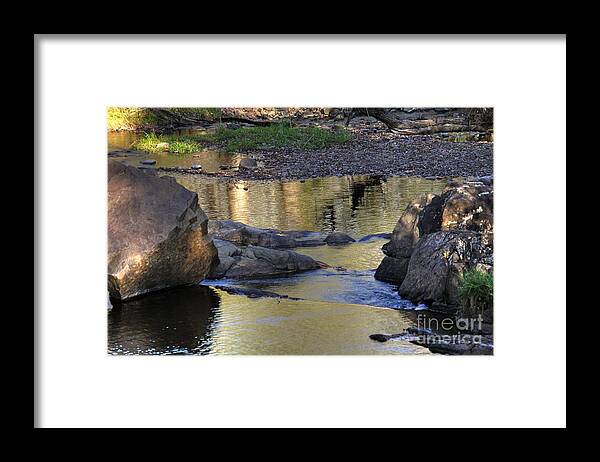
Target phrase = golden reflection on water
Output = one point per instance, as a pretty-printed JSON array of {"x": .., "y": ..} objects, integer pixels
[
  {"x": 358, "y": 205},
  {"x": 360, "y": 256},
  {"x": 270, "y": 326}
]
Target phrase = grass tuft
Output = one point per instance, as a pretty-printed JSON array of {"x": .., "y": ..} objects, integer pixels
[
  {"x": 476, "y": 291},
  {"x": 153, "y": 143}
]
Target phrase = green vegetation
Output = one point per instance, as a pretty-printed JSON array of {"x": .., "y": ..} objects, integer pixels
[
  {"x": 154, "y": 143},
  {"x": 280, "y": 135},
  {"x": 128, "y": 118},
  {"x": 273, "y": 136},
  {"x": 476, "y": 291},
  {"x": 132, "y": 118}
]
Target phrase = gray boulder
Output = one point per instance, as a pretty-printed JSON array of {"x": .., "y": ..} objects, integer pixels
[
  {"x": 253, "y": 261},
  {"x": 157, "y": 234}
]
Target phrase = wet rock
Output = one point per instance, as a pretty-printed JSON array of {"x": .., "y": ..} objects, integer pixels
[
  {"x": 418, "y": 331},
  {"x": 252, "y": 261},
  {"x": 379, "y": 337},
  {"x": 196, "y": 167},
  {"x": 337, "y": 238},
  {"x": 254, "y": 293},
  {"x": 157, "y": 234},
  {"x": 248, "y": 163},
  {"x": 148, "y": 162},
  {"x": 438, "y": 261}
]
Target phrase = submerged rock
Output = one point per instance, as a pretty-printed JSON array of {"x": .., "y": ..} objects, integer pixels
[
  {"x": 253, "y": 261},
  {"x": 148, "y": 162},
  {"x": 157, "y": 234}
]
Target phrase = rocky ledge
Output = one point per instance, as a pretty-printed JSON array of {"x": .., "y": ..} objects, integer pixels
[{"x": 243, "y": 235}]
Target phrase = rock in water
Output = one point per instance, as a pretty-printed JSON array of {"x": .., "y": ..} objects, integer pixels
[
  {"x": 438, "y": 261},
  {"x": 336, "y": 238},
  {"x": 148, "y": 162},
  {"x": 156, "y": 234},
  {"x": 379, "y": 337},
  {"x": 465, "y": 206},
  {"x": 253, "y": 262}
]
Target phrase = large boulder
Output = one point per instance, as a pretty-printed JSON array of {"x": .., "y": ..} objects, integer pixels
[
  {"x": 157, "y": 233},
  {"x": 253, "y": 262},
  {"x": 438, "y": 261},
  {"x": 461, "y": 206}
]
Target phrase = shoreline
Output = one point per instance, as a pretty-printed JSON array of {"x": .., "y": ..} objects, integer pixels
[{"x": 422, "y": 156}]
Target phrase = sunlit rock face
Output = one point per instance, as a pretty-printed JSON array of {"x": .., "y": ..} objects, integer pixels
[
  {"x": 417, "y": 249},
  {"x": 157, "y": 234}
]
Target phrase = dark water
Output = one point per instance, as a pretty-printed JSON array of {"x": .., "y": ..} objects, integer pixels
[{"x": 337, "y": 310}]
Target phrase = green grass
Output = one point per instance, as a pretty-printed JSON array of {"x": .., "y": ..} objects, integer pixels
[
  {"x": 476, "y": 291},
  {"x": 274, "y": 136},
  {"x": 279, "y": 135},
  {"x": 151, "y": 142}
]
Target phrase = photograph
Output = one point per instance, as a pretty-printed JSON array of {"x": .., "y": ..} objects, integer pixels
[{"x": 300, "y": 231}]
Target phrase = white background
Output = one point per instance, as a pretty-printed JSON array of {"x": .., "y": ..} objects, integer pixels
[{"x": 523, "y": 384}]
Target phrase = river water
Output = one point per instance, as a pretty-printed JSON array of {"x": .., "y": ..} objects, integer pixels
[{"x": 326, "y": 311}]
